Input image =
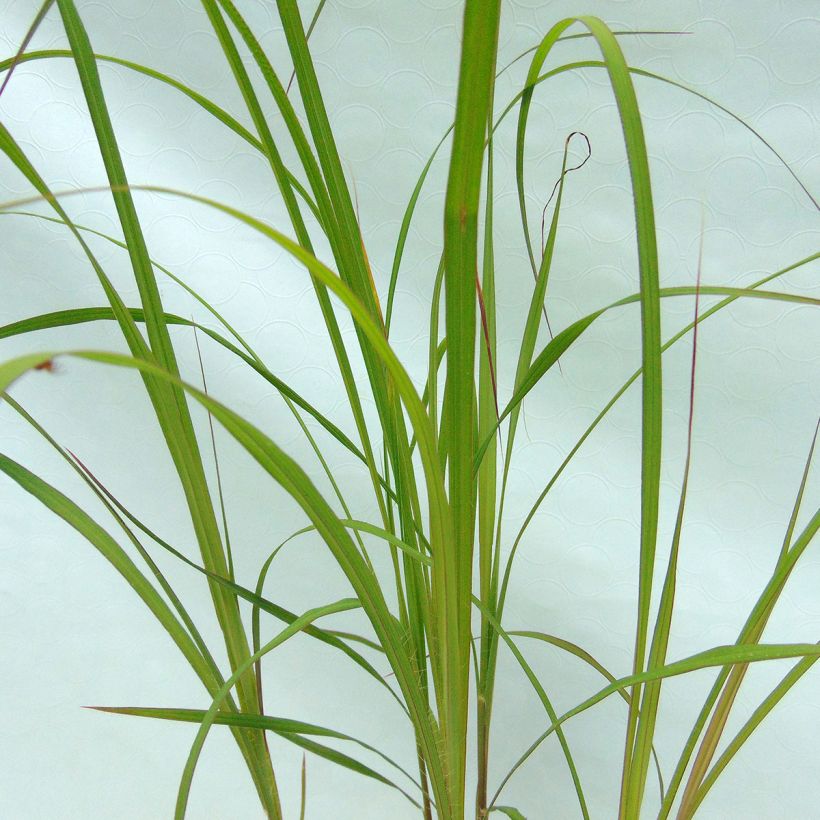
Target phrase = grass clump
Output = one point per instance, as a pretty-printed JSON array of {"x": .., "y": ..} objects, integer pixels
[{"x": 436, "y": 456}]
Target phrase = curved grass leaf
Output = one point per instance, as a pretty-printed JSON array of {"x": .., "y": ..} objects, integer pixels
[
  {"x": 728, "y": 682},
  {"x": 295, "y": 482},
  {"x": 281, "y": 175},
  {"x": 756, "y": 718},
  {"x": 75, "y": 316},
  {"x": 651, "y": 383},
  {"x": 543, "y": 697},
  {"x": 620, "y": 392},
  {"x": 562, "y": 342},
  {"x": 32, "y": 30},
  {"x": 199, "y": 99},
  {"x": 255, "y": 598},
  {"x": 717, "y": 656},
  {"x": 66, "y": 509},
  {"x": 512, "y": 813},
  {"x": 167, "y": 398},
  {"x": 77, "y": 466},
  {"x": 586, "y": 657},
  {"x": 650, "y": 700},
  {"x": 209, "y": 717},
  {"x": 284, "y": 727}
]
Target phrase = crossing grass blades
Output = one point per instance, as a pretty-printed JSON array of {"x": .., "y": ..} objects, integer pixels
[{"x": 438, "y": 460}]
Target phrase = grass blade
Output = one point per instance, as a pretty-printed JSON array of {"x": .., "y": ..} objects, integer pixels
[
  {"x": 80, "y": 469},
  {"x": 209, "y": 717},
  {"x": 663, "y": 624},
  {"x": 255, "y": 598},
  {"x": 452, "y": 575},
  {"x": 303, "y": 801},
  {"x": 66, "y": 509},
  {"x": 32, "y": 30},
  {"x": 512, "y": 813},
  {"x": 757, "y": 717},
  {"x": 286, "y": 472},
  {"x": 728, "y": 683},
  {"x": 717, "y": 656},
  {"x": 284, "y": 727},
  {"x": 545, "y": 702},
  {"x": 169, "y": 401}
]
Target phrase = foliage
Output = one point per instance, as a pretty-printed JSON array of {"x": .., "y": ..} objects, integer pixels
[{"x": 439, "y": 457}]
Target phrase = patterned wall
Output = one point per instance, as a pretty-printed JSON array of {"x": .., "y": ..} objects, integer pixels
[{"x": 70, "y": 633}]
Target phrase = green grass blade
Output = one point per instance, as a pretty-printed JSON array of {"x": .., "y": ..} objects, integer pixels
[
  {"x": 260, "y": 122},
  {"x": 284, "y": 727},
  {"x": 512, "y": 813},
  {"x": 543, "y": 697},
  {"x": 425, "y": 437},
  {"x": 217, "y": 472},
  {"x": 80, "y": 469},
  {"x": 436, "y": 349},
  {"x": 486, "y": 481},
  {"x": 586, "y": 657},
  {"x": 73, "y": 316},
  {"x": 199, "y": 99},
  {"x": 641, "y": 72},
  {"x": 452, "y": 575},
  {"x": 492, "y": 558},
  {"x": 651, "y": 412},
  {"x": 286, "y": 472},
  {"x": 433, "y": 575},
  {"x": 620, "y": 392},
  {"x": 289, "y": 396},
  {"x": 311, "y": 615},
  {"x": 303, "y": 801},
  {"x": 572, "y": 649},
  {"x": 663, "y": 624},
  {"x": 255, "y": 598},
  {"x": 347, "y": 762},
  {"x": 329, "y": 220},
  {"x": 353, "y": 266},
  {"x": 725, "y": 688},
  {"x": 79, "y": 520},
  {"x": 564, "y": 340},
  {"x": 756, "y": 718},
  {"x": 650, "y": 75},
  {"x": 313, "y": 21},
  {"x": 355, "y": 525},
  {"x": 404, "y": 230},
  {"x": 32, "y": 30},
  {"x": 14, "y": 152},
  {"x": 203, "y": 102},
  {"x": 169, "y": 401},
  {"x": 798, "y": 501},
  {"x": 343, "y": 230},
  {"x": 717, "y": 656},
  {"x": 250, "y": 357},
  {"x": 282, "y": 178},
  {"x": 545, "y": 360},
  {"x": 405, "y": 225},
  {"x": 526, "y": 369},
  {"x": 66, "y": 509},
  {"x": 62, "y": 506},
  {"x": 143, "y": 271},
  {"x": 586, "y": 35}
]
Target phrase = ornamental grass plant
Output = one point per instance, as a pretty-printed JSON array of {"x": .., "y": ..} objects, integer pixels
[{"x": 404, "y": 484}]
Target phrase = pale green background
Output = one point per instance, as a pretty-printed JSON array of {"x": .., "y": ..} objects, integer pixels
[{"x": 70, "y": 631}]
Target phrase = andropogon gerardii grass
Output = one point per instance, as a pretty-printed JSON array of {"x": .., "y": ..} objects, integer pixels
[{"x": 439, "y": 455}]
